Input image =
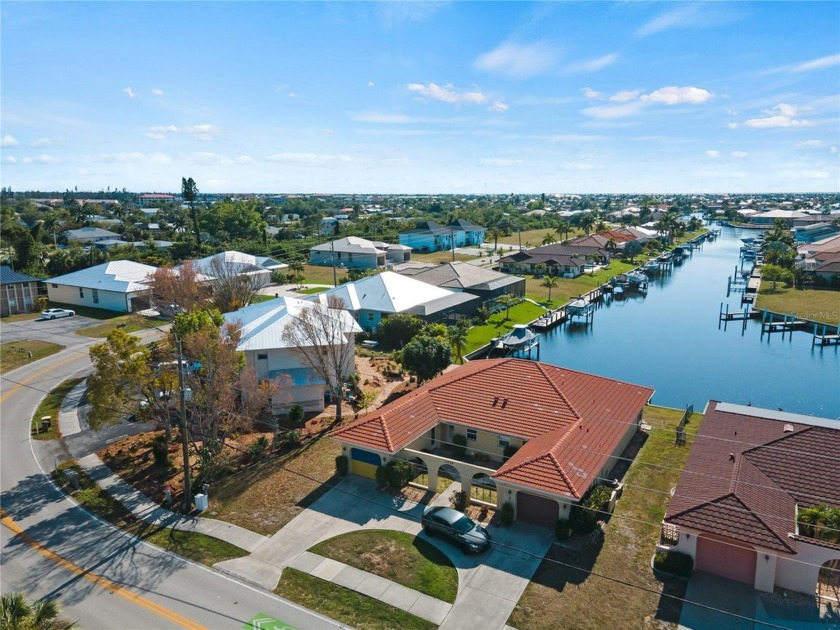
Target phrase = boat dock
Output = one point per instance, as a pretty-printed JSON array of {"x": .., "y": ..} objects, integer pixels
[
  {"x": 789, "y": 323},
  {"x": 825, "y": 338}
]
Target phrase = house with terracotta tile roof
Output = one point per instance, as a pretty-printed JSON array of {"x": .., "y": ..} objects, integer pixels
[
  {"x": 537, "y": 436},
  {"x": 749, "y": 474}
]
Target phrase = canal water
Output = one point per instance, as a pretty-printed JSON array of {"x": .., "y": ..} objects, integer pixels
[{"x": 670, "y": 340}]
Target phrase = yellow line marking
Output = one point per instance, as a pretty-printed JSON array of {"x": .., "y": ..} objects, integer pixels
[
  {"x": 29, "y": 379},
  {"x": 98, "y": 580}
]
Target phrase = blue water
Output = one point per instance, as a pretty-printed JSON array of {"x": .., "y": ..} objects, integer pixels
[{"x": 669, "y": 340}]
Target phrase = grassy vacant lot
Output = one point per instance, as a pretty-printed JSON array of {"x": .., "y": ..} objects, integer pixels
[
  {"x": 21, "y": 317},
  {"x": 821, "y": 305},
  {"x": 192, "y": 545},
  {"x": 444, "y": 256},
  {"x": 49, "y": 407},
  {"x": 397, "y": 556},
  {"x": 317, "y": 274},
  {"x": 566, "y": 596},
  {"x": 15, "y": 354},
  {"x": 342, "y": 604},
  {"x": 129, "y": 323},
  {"x": 533, "y": 238},
  {"x": 265, "y": 497},
  {"x": 498, "y": 325}
]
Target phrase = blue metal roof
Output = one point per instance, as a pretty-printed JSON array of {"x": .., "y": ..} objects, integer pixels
[{"x": 7, "y": 276}]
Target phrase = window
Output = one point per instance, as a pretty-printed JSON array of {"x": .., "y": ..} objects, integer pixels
[
  {"x": 262, "y": 357},
  {"x": 95, "y": 296},
  {"x": 504, "y": 442},
  {"x": 55, "y": 286},
  {"x": 81, "y": 292},
  {"x": 12, "y": 303},
  {"x": 472, "y": 434},
  {"x": 370, "y": 317}
]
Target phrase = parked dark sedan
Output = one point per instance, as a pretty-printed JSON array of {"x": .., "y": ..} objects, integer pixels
[{"x": 456, "y": 526}]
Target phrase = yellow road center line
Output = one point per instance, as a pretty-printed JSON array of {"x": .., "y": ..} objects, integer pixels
[
  {"x": 29, "y": 379},
  {"x": 98, "y": 580}
]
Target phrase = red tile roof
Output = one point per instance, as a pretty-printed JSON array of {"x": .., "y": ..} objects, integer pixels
[
  {"x": 746, "y": 474},
  {"x": 571, "y": 421}
]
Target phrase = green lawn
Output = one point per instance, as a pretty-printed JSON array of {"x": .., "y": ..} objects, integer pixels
[
  {"x": 498, "y": 324},
  {"x": 397, "y": 556},
  {"x": 563, "y": 595},
  {"x": 821, "y": 305},
  {"x": 344, "y": 605},
  {"x": 15, "y": 354},
  {"x": 86, "y": 311},
  {"x": 568, "y": 288},
  {"x": 444, "y": 256},
  {"x": 532, "y": 238},
  {"x": 129, "y": 323},
  {"x": 49, "y": 407},
  {"x": 312, "y": 290},
  {"x": 192, "y": 545},
  {"x": 20, "y": 317},
  {"x": 317, "y": 274}
]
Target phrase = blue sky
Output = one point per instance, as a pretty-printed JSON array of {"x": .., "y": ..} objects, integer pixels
[{"x": 428, "y": 97}]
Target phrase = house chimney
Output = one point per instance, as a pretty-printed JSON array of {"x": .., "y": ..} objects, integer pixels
[{"x": 731, "y": 457}]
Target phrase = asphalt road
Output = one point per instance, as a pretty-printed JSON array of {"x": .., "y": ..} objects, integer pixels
[{"x": 104, "y": 578}]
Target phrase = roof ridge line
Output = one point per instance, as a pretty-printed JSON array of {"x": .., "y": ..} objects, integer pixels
[
  {"x": 563, "y": 474},
  {"x": 559, "y": 393},
  {"x": 784, "y": 436}
]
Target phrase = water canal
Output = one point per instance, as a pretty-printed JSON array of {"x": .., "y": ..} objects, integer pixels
[{"x": 669, "y": 340}]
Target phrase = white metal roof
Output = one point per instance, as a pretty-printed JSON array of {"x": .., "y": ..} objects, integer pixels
[
  {"x": 122, "y": 276},
  {"x": 387, "y": 292},
  {"x": 262, "y": 324}
]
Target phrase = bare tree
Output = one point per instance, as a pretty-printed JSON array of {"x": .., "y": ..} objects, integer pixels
[
  {"x": 178, "y": 289},
  {"x": 323, "y": 337},
  {"x": 234, "y": 284}
]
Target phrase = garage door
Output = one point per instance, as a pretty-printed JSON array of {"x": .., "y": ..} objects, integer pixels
[
  {"x": 725, "y": 557},
  {"x": 537, "y": 510},
  {"x": 364, "y": 463}
]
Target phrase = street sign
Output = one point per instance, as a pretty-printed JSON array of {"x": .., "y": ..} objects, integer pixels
[{"x": 264, "y": 622}]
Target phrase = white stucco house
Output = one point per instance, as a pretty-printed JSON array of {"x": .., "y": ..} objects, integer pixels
[
  {"x": 119, "y": 285},
  {"x": 261, "y": 327}
]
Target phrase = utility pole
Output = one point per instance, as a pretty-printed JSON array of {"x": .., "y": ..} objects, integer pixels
[
  {"x": 184, "y": 430},
  {"x": 332, "y": 251},
  {"x": 452, "y": 239}
]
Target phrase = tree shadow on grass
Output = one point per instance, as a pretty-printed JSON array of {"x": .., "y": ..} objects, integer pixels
[
  {"x": 670, "y": 603},
  {"x": 562, "y": 567}
]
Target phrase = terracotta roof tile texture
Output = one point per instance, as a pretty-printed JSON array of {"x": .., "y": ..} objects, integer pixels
[
  {"x": 745, "y": 475},
  {"x": 571, "y": 421}
]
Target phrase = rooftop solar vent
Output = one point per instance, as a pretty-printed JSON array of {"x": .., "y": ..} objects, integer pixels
[{"x": 788, "y": 428}]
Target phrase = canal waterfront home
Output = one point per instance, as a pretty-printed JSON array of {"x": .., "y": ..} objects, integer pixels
[
  {"x": 430, "y": 236},
  {"x": 539, "y": 435},
  {"x": 741, "y": 508}
]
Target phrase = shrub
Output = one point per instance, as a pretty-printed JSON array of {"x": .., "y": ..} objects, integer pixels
[
  {"x": 296, "y": 415},
  {"x": 584, "y": 516},
  {"x": 160, "y": 452},
  {"x": 342, "y": 465},
  {"x": 460, "y": 500},
  {"x": 460, "y": 442},
  {"x": 258, "y": 449},
  {"x": 292, "y": 438},
  {"x": 382, "y": 476},
  {"x": 395, "y": 474},
  {"x": 507, "y": 513},
  {"x": 562, "y": 530},
  {"x": 673, "y": 562}
]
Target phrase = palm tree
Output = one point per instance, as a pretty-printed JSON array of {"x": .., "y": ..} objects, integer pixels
[
  {"x": 586, "y": 221},
  {"x": 297, "y": 268},
  {"x": 189, "y": 191},
  {"x": 548, "y": 239},
  {"x": 495, "y": 234},
  {"x": 563, "y": 227},
  {"x": 550, "y": 282},
  {"x": 506, "y": 301},
  {"x": 18, "y": 614},
  {"x": 458, "y": 341}
]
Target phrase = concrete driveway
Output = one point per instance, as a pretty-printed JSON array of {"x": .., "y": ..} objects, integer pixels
[
  {"x": 489, "y": 585},
  {"x": 60, "y": 331}
]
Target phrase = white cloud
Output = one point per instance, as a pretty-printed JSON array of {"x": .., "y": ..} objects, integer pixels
[
  {"x": 673, "y": 95},
  {"x": 593, "y": 65},
  {"x": 780, "y": 116},
  {"x": 129, "y": 92},
  {"x": 518, "y": 60},
  {"x": 397, "y": 12},
  {"x": 7, "y": 142},
  {"x": 498, "y": 162},
  {"x": 41, "y": 159},
  {"x": 625, "y": 95},
  {"x": 811, "y": 144},
  {"x": 739, "y": 154},
  {"x": 40, "y": 142},
  {"x": 157, "y": 91},
  {"x": 134, "y": 157},
  {"x": 10, "y": 159},
  {"x": 580, "y": 165},
  {"x": 607, "y": 112},
  {"x": 690, "y": 15},
  {"x": 592, "y": 94},
  {"x": 159, "y": 132},
  {"x": 498, "y": 106},
  {"x": 243, "y": 159},
  {"x": 447, "y": 93},
  {"x": 204, "y": 157},
  {"x": 202, "y": 133},
  {"x": 804, "y": 174},
  {"x": 309, "y": 159},
  {"x": 395, "y": 161},
  {"x": 732, "y": 125},
  {"x": 293, "y": 95},
  {"x": 817, "y": 64},
  {"x": 373, "y": 117},
  {"x": 712, "y": 153},
  {"x": 370, "y": 83}
]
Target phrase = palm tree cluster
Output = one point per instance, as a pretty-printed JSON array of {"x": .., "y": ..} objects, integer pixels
[{"x": 16, "y": 613}]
